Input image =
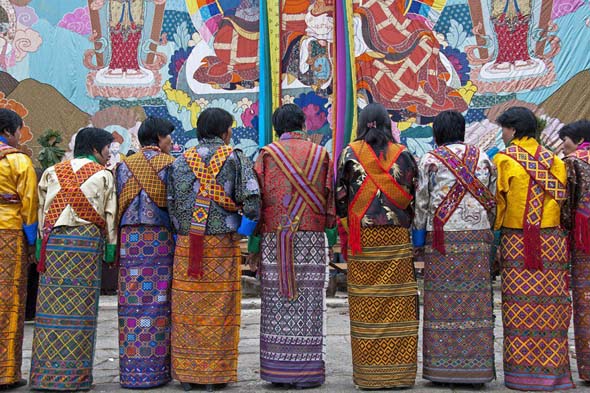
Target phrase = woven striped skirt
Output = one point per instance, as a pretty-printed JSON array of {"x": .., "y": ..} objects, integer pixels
[
  {"x": 581, "y": 295},
  {"x": 536, "y": 312},
  {"x": 383, "y": 298},
  {"x": 458, "y": 331},
  {"x": 13, "y": 291},
  {"x": 67, "y": 308},
  {"x": 145, "y": 276},
  {"x": 293, "y": 332},
  {"x": 206, "y": 312}
]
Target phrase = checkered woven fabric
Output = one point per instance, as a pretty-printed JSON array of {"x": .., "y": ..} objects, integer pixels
[
  {"x": 145, "y": 177},
  {"x": 538, "y": 168},
  {"x": 542, "y": 181},
  {"x": 70, "y": 194},
  {"x": 209, "y": 188}
]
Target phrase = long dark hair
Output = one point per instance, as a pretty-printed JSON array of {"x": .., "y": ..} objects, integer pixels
[{"x": 374, "y": 127}]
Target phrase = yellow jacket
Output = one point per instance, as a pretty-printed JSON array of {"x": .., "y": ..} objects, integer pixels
[
  {"x": 513, "y": 187},
  {"x": 18, "y": 195}
]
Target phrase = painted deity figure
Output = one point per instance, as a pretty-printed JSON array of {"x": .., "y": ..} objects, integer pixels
[
  {"x": 511, "y": 20},
  {"x": 235, "y": 62},
  {"x": 126, "y": 21},
  {"x": 307, "y": 35}
]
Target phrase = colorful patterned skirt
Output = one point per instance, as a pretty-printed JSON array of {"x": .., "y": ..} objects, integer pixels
[
  {"x": 536, "y": 312},
  {"x": 293, "y": 333},
  {"x": 458, "y": 330},
  {"x": 145, "y": 275},
  {"x": 67, "y": 309},
  {"x": 581, "y": 295},
  {"x": 13, "y": 291},
  {"x": 206, "y": 312},
  {"x": 383, "y": 299}
]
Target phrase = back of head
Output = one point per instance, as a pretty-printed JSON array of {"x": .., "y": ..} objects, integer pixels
[
  {"x": 152, "y": 129},
  {"x": 448, "y": 127},
  {"x": 213, "y": 122},
  {"x": 10, "y": 121},
  {"x": 288, "y": 118},
  {"x": 522, "y": 119},
  {"x": 91, "y": 139},
  {"x": 374, "y": 127},
  {"x": 578, "y": 131}
]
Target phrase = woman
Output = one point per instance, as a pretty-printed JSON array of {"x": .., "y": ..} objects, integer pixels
[
  {"x": 576, "y": 217},
  {"x": 294, "y": 252},
  {"x": 374, "y": 200},
  {"x": 18, "y": 228},
  {"x": 146, "y": 255},
  {"x": 209, "y": 186},
  {"x": 536, "y": 308},
  {"x": 77, "y": 215},
  {"x": 455, "y": 208}
]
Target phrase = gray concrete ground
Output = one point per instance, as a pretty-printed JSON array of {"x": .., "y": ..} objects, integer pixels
[{"x": 338, "y": 361}]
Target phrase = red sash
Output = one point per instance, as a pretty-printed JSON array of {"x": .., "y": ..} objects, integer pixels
[
  {"x": 209, "y": 190},
  {"x": 305, "y": 194},
  {"x": 70, "y": 194},
  {"x": 464, "y": 172},
  {"x": 542, "y": 182},
  {"x": 378, "y": 179}
]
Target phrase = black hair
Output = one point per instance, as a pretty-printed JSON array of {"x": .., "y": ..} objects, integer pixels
[
  {"x": 213, "y": 122},
  {"x": 374, "y": 127},
  {"x": 10, "y": 121},
  {"x": 578, "y": 131},
  {"x": 91, "y": 138},
  {"x": 522, "y": 119},
  {"x": 152, "y": 129},
  {"x": 448, "y": 127},
  {"x": 288, "y": 118}
]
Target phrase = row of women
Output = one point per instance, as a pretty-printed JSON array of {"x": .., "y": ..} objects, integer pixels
[{"x": 175, "y": 227}]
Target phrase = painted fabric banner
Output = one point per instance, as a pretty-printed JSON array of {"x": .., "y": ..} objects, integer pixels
[{"x": 111, "y": 63}]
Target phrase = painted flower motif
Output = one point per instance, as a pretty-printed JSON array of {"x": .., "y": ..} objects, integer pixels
[
  {"x": 287, "y": 99},
  {"x": 315, "y": 110},
  {"x": 176, "y": 62},
  {"x": 250, "y": 115},
  {"x": 459, "y": 61},
  {"x": 202, "y": 102}
]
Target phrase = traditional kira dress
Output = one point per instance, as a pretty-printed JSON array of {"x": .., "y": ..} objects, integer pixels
[
  {"x": 18, "y": 210},
  {"x": 77, "y": 213},
  {"x": 297, "y": 206},
  {"x": 536, "y": 308},
  {"x": 207, "y": 186},
  {"x": 374, "y": 197},
  {"x": 455, "y": 206},
  {"x": 576, "y": 217},
  {"x": 145, "y": 272}
]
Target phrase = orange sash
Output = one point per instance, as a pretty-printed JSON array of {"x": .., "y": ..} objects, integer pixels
[
  {"x": 378, "y": 179},
  {"x": 144, "y": 176},
  {"x": 70, "y": 194},
  {"x": 209, "y": 190}
]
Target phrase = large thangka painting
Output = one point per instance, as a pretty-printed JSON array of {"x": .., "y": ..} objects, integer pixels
[{"x": 110, "y": 63}]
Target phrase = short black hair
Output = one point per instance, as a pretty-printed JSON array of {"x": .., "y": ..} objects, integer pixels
[
  {"x": 288, "y": 118},
  {"x": 10, "y": 121},
  {"x": 152, "y": 129},
  {"x": 448, "y": 127},
  {"x": 578, "y": 131},
  {"x": 522, "y": 119},
  {"x": 91, "y": 138},
  {"x": 213, "y": 122},
  {"x": 374, "y": 126}
]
